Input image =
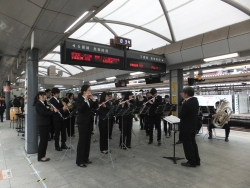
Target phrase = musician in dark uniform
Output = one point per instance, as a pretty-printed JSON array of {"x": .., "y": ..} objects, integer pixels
[
  {"x": 58, "y": 120},
  {"x": 52, "y": 128},
  {"x": 211, "y": 125},
  {"x": 2, "y": 107},
  {"x": 188, "y": 127},
  {"x": 85, "y": 103},
  {"x": 44, "y": 113},
  {"x": 154, "y": 119},
  {"x": 167, "y": 129},
  {"x": 103, "y": 122},
  {"x": 118, "y": 107},
  {"x": 111, "y": 120},
  {"x": 146, "y": 116},
  {"x": 127, "y": 121}
]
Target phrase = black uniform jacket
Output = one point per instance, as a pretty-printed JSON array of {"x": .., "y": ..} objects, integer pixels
[
  {"x": 157, "y": 102},
  {"x": 168, "y": 104},
  {"x": 189, "y": 115},
  {"x": 59, "y": 106},
  {"x": 104, "y": 110},
  {"x": 2, "y": 106},
  {"x": 43, "y": 114},
  {"x": 85, "y": 110}
]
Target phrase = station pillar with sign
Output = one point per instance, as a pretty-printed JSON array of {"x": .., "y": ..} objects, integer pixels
[
  {"x": 31, "y": 89},
  {"x": 176, "y": 87}
]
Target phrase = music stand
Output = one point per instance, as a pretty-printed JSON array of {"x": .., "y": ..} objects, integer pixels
[
  {"x": 168, "y": 108},
  {"x": 70, "y": 143},
  {"x": 108, "y": 115},
  {"x": 175, "y": 122},
  {"x": 142, "y": 111},
  {"x": 122, "y": 113}
]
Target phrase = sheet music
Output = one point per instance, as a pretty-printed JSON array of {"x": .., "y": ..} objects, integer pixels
[{"x": 172, "y": 119}]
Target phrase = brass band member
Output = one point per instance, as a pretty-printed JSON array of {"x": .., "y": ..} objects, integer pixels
[
  {"x": 146, "y": 116},
  {"x": 120, "y": 118},
  {"x": 211, "y": 125},
  {"x": 167, "y": 130},
  {"x": 155, "y": 119},
  {"x": 111, "y": 120},
  {"x": 85, "y": 103},
  {"x": 52, "y": 127},
  {"x": 127, "y": 121},
  {"x": 103, "y": 122},
  {"x": 43, "y": 121},
  {"x": 58, "y": 120}
]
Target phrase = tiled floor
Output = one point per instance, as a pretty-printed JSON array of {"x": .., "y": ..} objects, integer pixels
[{"x": 223, "y": 164}]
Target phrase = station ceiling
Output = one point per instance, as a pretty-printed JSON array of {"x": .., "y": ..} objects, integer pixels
[{"x": 149, "y": 23}]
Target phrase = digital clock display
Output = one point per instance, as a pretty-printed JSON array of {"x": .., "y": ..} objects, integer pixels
[
  {"x": 145, "y": 66},
  {"x": 74, "y": 57}
]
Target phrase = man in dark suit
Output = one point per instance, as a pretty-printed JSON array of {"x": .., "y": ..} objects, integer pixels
[
  {"x": 58, "y": 120},
  {"x": 154, "y": 119},
  {"x": 2, "y": 107},
  {"x": 188, "y": 127},
  {"x": 180, "y": 105},
  {"x": 167, "y": 130}
]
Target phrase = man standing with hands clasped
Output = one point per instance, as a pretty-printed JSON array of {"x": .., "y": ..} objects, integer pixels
[{"x": 188, "y": 124}]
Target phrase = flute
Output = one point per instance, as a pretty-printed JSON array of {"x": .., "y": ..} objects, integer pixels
[
  {"x": 104, "y": 102},
  {"x": 124, "y": 101},
  {"x": 55, "y": 108},
  {"x": 149, "y": 100}
]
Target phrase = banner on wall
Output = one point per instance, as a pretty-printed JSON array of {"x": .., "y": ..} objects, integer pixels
[{"x": 210, "y": 100}]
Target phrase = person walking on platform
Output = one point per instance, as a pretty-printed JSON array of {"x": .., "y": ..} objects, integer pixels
[
  {"x": 188, "y": 127},
  {"x": 44, "y": 113},
  {"x": 2, "y": 107}
]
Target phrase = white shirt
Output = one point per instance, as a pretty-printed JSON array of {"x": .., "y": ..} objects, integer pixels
[
  {"x": 86, "y": 100},
  {"x": 56, "y": 99},
  {"x": 43, "y": 103}
]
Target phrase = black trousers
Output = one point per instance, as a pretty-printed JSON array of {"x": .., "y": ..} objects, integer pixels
[
  {"x": 167, "y": 128},
  {"x": 226, "y": 127},
  {"x": 52, "y": 128},
  {"x": 146, "y": 124},
  {"x": 60, "y": 128},
  {"x": 1, "y": 114},
  {"x": 142, "y": 120},
  {"x": 83, "y": 146},
  {"x": 154, "y": 121},
  {"x": 126, "y": 132},
  {"x": 190, "y": 148},
  {"x": 44, "y": 137},
  {"x": 103, "y": 128},
  {"x": 111, "y": 124}
]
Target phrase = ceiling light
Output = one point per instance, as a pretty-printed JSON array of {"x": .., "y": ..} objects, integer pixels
[
  {"x": 135, "y": 73},
  {"x": 62, "y": 88},
  {"x": 80, "y": 19},
  {"x": 221, "y": 57},
  {"x": 111, "y": 78},
  {"x": 22, "y": 72},
  {"x": 93, "y": 81},
  {"x": 58, "y": 86}
]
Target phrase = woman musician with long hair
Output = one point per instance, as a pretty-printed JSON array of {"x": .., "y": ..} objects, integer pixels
[
  {"x": 127, "y": 121},
  {"x": 43, "y": 121},
  {"x": 104, "y": 108},
  {"x": 85, "y": 103}
]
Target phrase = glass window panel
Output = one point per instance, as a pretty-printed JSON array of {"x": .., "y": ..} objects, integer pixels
[
  {"x": 71, "y": 69},
  {"x": 57, "y": 49},
  {"x": 53, "y": 57},
  {"x": 82, "y": 30},
  {"x": 120, "y": 29},
  {"x": 98, "y": 34},
  {"x": 245, "y": 3},
  {"x": 88, "y": 68},
  {"x": 138, "y": 12},
  {"x": 202, "y": 16},
  {"x": 171, "y": 5},
  {"x": 144, "y": 41}
]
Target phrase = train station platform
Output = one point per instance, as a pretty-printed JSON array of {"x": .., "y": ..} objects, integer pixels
[{"x": 223, "y": 164}]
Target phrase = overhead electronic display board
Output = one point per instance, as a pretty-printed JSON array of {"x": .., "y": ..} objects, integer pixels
[
  {"x": 76, "y": 52},
  {"x": 145, "y": 62}
]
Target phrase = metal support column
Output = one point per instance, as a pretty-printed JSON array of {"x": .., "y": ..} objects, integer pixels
[
  {"x": 176, "y": 86},
  {"x": 31, "y": 89}
]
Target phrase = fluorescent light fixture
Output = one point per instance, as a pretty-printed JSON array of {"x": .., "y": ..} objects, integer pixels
[
  {"x": 17, "y": 77},
  {"x": 135, "y": 73},
  {"x": 93, "y": 81},
  {"x": 221, "y": 57},
  {"x": 111, "y": 78},
  {"x": 62, "y": 88},
  {"x": 78, "y": 20},
  {"x": 58, "y": 86},
  {"x": 22, "y": 72}
]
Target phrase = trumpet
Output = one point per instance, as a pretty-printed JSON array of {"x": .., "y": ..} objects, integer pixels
[
  {"x": 149, "y": 100},
  {"x": 55, "y": 108}
]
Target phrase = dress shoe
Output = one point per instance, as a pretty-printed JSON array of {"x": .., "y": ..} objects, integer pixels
[
  {"x": 65, "y": 147},
  {"x": 129, "y": 147},
  {"x": 150, "y": 142},
  {"x": 198, "y": 164},
  {"x": 187, "y": 164},
  {"x": 58, "y": 149},
  {"x": 44, "y": 160},
  {"x": 82, "y": 165},
  {"x": 178, "y": 142},
  {"x": 88, "y": 162},
  {"x": 159, "y": 143},
  {"x": 210, "y": 137},
  {"x": 226, "y": 139}
]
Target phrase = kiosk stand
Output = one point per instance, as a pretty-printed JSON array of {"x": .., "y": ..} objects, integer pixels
[{"x": 175, "y": 126}]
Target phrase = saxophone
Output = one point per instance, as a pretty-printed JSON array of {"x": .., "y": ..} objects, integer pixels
[{"x": 223, "y": 113}]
